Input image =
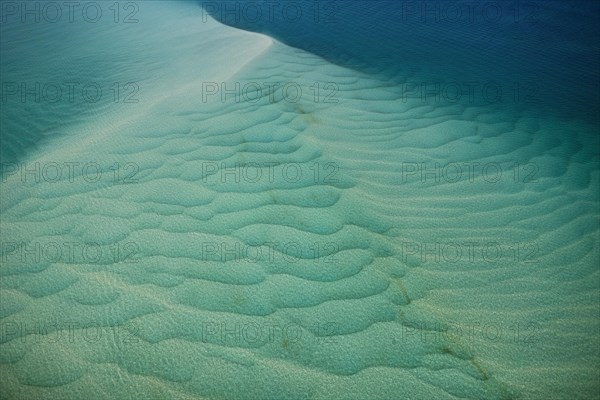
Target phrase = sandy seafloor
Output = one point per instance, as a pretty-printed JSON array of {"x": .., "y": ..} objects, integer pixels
[{"x": 371, "y": 243}]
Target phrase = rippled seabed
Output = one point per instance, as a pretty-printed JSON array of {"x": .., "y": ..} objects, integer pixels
[{"x": 414, "y": 215}]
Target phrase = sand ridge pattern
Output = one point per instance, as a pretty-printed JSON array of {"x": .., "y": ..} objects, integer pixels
[{"x": 272, "y": 249}]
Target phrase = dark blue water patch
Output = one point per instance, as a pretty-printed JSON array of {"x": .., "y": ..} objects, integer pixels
[{"x": 544, "y": 56}]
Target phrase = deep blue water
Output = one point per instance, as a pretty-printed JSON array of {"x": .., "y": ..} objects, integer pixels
[{"x": 546, "y": 48}]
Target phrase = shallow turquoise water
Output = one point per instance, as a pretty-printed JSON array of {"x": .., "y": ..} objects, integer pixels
[{"x": 371, "y": 206}]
